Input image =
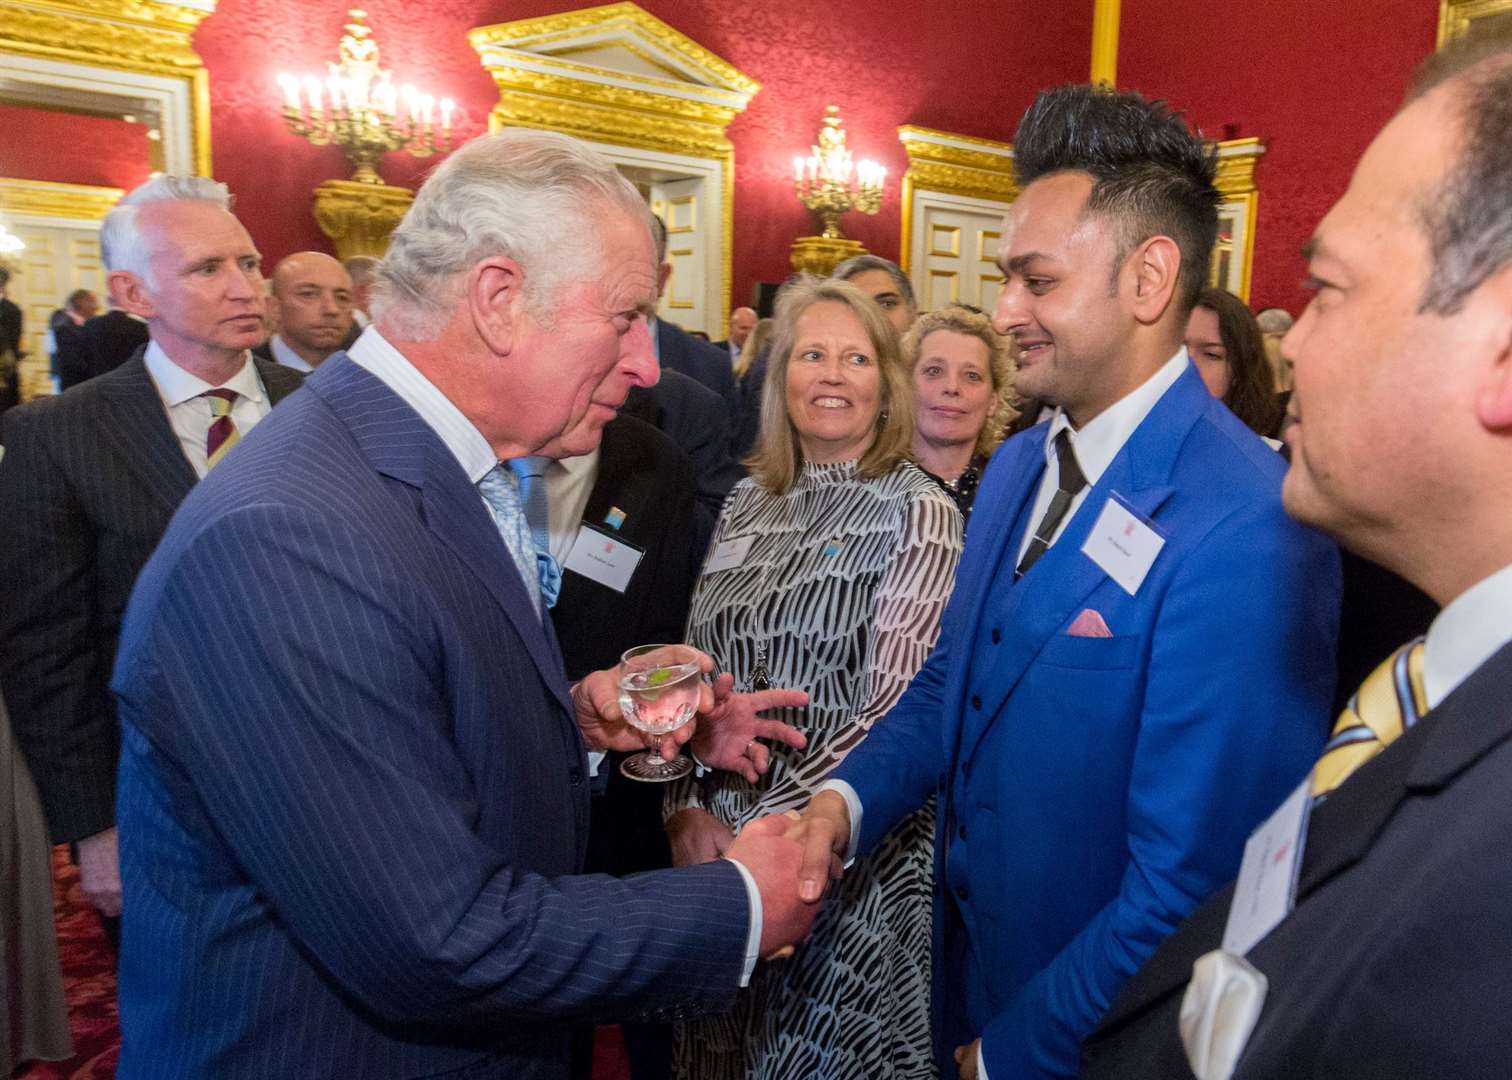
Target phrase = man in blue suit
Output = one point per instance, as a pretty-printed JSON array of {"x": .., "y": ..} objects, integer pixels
[
  {"x": 1136, "y": 664},
  {"x": 353, "y": 794}
]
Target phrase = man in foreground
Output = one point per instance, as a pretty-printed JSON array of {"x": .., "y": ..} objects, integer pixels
[
  {"x": 354, "y": 791},
  {"x": 1392, "y": 960},
  {"x": 1136, "y": 663}
]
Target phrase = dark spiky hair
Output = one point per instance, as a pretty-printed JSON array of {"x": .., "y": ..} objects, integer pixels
[{"x": 1150, "y": 173}]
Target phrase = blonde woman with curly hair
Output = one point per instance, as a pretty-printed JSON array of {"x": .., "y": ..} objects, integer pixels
[{"x": 962, "y": 374}]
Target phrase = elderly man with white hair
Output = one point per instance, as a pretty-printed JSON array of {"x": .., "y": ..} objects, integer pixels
[
  {"x": 354, "y": 780},
  {"x": 90, "y": 479}
]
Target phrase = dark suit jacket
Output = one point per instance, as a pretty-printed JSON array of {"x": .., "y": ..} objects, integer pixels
[
  {"x": 693, "y": 417},
  {"x": 1395, "y": 962},
  {"x": 678, "y": 350},
  {"x": 10, "y": 341},
  {"x": 103, "y": 343},
  {"x": 645, "y": 475},
  {"x": 361, "y": 862},
  {"x": 88, "y": 482},
  {"x": 1094, "y": 790}
]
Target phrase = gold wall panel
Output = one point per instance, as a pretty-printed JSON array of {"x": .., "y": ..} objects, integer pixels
[{"x": 1459, "y": 17}]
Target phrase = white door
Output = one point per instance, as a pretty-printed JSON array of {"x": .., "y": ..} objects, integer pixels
[
  {"x": 685, "y": 300},
  {"x": 57, "y": 260},
  {"x": 954, "y": 256}
]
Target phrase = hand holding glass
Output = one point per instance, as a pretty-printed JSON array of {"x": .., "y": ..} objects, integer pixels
[{"x": 658, "y": 693}]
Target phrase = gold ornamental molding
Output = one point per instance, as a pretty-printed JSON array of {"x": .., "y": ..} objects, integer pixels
[
  {"x": 1234, "y": 253},
  {"x": 618, "y": 76},
  {"x": 151, "y": 38},
  {"x": 1459, "y": 17},
  {"x": 360, "y": 217},
  {"x": 944, "y": 161},
  {"x": 43, "y": 198},
  {"x": 819, "y": 255}
]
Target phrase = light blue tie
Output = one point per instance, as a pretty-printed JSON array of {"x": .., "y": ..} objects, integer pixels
[
  {"x": 501, "y": 491},
  {"x": 532, "y": 474}
]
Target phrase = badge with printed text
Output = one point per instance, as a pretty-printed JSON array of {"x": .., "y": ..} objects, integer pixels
[
  {"x": 1124, "y": 543},
  {"x": 603, "y": 557},
  {"x": 1266, "y": 889},
  {"x": 728, "y": 554}
]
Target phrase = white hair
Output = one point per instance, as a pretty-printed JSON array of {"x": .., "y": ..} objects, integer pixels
[
  {"x": 121, "y": 243},
  {"x": 537, "y": 197}
]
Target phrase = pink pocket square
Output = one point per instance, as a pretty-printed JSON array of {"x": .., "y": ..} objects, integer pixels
[{"x": 1088, "y": 624}]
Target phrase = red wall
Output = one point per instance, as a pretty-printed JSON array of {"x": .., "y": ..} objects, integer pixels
[
  {"x": 66, "y": 148},
  {"x": 1315, "y": 81},
  {"x": 973, "y": 70}
]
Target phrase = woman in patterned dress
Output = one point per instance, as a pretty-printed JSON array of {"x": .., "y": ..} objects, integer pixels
[
  {"x": 830, "y": 569},
  {"x": 963, "y": 396}
]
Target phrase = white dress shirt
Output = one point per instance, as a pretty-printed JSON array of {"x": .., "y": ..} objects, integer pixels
[
  {"x": 188, "y": 411},
  {"x": 1097, "y": 443},
  {"x": 466, "y": 443},
  {"x": 285, "y": 355},
  {"x": 569, "y": 483},
  {"x": 1466, "y": 634}
]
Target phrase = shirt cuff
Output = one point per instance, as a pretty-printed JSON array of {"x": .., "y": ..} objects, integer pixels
[
  {"x": 981, "y": 1062},
  {"x": 853, "y": 808},
  {"x": 753, "y": 935},
  {"x": 595, "y": 759}
]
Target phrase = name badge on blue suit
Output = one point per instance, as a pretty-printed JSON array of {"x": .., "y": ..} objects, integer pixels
[{"x": 1123, "y": 543}]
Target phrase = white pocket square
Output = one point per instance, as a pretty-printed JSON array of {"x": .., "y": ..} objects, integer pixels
[{"x": 1219, "y": 1012}]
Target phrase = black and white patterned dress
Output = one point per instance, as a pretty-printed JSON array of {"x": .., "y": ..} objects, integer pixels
[{"x": 842, "y": 590}]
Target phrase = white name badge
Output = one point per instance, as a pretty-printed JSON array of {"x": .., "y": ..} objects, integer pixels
[
  {"x": 729, "y": 554},
  {"x": 603, "y": 558},
  {"x": 1267, "y": 887},
  {"x": 1123, "y": 544}
]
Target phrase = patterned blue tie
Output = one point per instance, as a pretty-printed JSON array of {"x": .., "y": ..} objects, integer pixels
[
  {"x": 532, "y": 473},
  {"x": 501, "y": 491}
]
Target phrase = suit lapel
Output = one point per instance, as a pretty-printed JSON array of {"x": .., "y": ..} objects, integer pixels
[
  {"x": 400, "y": 445},
  {"x": 1468, "y": 724},
  {"x": 1044, "y": 600},
  {"x": 277, "y": 380},
  {"x": 135, "y": 424}
]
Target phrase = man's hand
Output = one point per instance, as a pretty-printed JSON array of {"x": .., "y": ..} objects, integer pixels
[
  {"x": 726, "y": 734},
  {"x": 824, "y": 830},
  {"x": 604, "y": 727},
  {"x": 966, "y": 1059},
  {"x": 100, "y": 871},
  {"x": 773, "y": 858},
  {"x": 697, "y": 836}
]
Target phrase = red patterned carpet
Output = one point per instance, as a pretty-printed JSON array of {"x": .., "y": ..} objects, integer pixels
[{"x": 90, "y": 984}]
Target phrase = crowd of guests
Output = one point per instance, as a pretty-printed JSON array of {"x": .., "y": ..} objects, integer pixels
[{"x": 328, "y": 709}]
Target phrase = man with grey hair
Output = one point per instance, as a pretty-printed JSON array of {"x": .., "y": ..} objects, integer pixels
[
  {"x": 90, "y": 479},
  {"x": 354, "y": 783}
]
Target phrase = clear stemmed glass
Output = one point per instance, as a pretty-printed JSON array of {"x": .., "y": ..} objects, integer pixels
[{"x": 658, "y": 693}]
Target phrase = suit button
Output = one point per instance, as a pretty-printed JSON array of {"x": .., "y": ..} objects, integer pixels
[
  {"x": 976, "y": 702},
  {"x": 575, "y": 775},
  {"x": 961, "y": 892},
  {"x": 997, "y": 635}
]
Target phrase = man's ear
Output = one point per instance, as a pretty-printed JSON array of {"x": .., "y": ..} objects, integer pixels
[
  {"x": 1152, "y": 271},
  {"x": 495, "y": 296},
  {"x": 1492, "y": 302},
  {"x": 129, "y": 293},
  {"x": 663, "y": 275}
]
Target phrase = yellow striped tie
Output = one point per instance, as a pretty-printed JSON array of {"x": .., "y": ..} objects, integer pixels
[
  {"x": 1388, "y": 702},
  {"x": 222, "y": 435}
]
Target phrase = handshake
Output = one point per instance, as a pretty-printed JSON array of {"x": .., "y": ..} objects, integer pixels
[{"x": 792, "y": 858}]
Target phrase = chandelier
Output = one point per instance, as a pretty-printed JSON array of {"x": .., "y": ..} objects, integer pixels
[
  {"x": 358, "y": 108},
  {"x": 830, "y": 183}
]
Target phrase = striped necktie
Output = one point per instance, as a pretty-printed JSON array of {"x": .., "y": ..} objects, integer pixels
[
  {"x": 222, "y": 435},
  {"x": 501, "y": 491},
  {"x": 1388, "y": 702},
  {"x": 531, "y": 471},
  {"x": 1068, "y": 485}
]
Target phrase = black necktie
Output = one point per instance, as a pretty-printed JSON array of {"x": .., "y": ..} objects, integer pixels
[{"x": 1069, "y": 484}]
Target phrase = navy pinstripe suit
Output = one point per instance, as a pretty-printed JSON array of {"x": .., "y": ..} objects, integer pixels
[
  {"x": 88, "y": 484},
  {"x": 352, "y": 795}
]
